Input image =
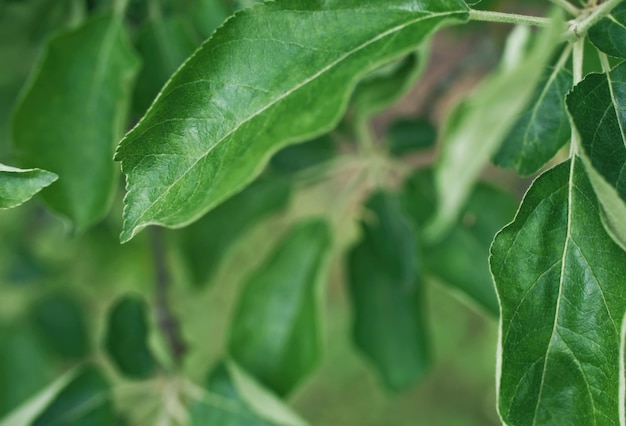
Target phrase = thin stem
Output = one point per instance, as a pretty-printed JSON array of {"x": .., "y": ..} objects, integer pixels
[
  {"x": 508, "y": 18},
  {"x": 578, "y": 29},
  {"x": 119, "y": 7},
  {"x": 573, "y": 10},
  {"x": 606, "y": 66},
  {"x": 166, "y": 321}
]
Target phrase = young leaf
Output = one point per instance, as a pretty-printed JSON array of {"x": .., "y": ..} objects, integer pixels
[
  {"x": 609, "y": 35},
  {"x": 386, "y": 295},
  {"x": 206, "y": 242},
  {"x": 126, "y": 338},
  {"x": 409, "y": 135},
  {"x": 275, "y": 332},
  {"x": 274, "y": 74},
  {"x": 85, "y": 401},
  {"x": 73, "y": 112},
  {"x": 542, "y": 129},
  {"x": 19, "y": 185},
  {"x": 475, "y": 128},
  {"x": 235, "y": 399},
  {"x": 560, "y": 282}
]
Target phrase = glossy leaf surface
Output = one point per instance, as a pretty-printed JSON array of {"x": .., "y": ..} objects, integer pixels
[
  {"x": 609, "y": 35},
  {"x": 73, "y": 112},
  {"x": 85, "y": 401},
  {"x": 220, "y": 117},
  {"x": 560, "y": 280},
  {"x": 275, "y": 332},
  {"x": 236, "y": 399},
  {"x": 385, "y": 290},
  {"x": 542, "y": 129},
  {"x": 127, "y": 338},
  {"x": 206, "y": 242},
  {"x": 19, "y": 185}
]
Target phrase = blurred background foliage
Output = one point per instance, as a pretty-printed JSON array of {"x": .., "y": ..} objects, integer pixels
[{"x": 58, "y": 289}]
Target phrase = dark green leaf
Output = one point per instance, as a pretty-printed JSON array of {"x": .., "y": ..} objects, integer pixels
[
  {"x": 460, "y": 258},
  {"x": 127, "y": 338},
  {"x": 206, "y": 242},
  {"x": 275, "y": 332},
  {"x": 542, "y": 129},
  {"x": 235, "y": 399},
  {"x": 386, "y": 294},
  {"x": 609, "y": 35},
  {"x": 85, "y": 401},
  {"x": 61, "y": 323},
  {"x": 296, "y": 158},
  {"x": 73, "y": 111},
  {"x": 18, "y": 185},
  {"x": 275, "y": 74},
  {"x": 407, "y": 135},
  {"x": 560, "y": 280}
]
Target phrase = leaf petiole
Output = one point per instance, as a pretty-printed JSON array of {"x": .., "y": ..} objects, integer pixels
[
  {"x": 508, "y": 18},
  {"x": 570, "y": 8}
]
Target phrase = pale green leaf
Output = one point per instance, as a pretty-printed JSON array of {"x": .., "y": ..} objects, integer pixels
[
  {"x": 386, "y": 293},
  {"x": 275, "y": 331},
  {"x": 274, "y": 74},
  {"x": 560, "y": 280},
  {"x": 609, "y": 35},
  {"x": 474, "y": 130},
  {"x": 73, "y": 111},
  {"x": 19, "y": 185}
]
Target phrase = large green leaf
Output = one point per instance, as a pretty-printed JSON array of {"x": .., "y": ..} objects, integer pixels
[
  {"x": 126, "y": 340},
  {"x": 386, "y": 294},
  {"x": 474, "y": 130},
  {"x": 19, "y": 185},
  {"x": 542, "y": 129},
  {"x": 560, "y": 280},
  {"x": 609, "y": 35},
  {"x": 274, "y": 74},
  {"x": 85, "y": 401},
  {"x": 73, "y": 112},
  {"x": 236, "y": 399},
  {"x": 206, "y": 242},
  {"x": 275, "y": 332}
]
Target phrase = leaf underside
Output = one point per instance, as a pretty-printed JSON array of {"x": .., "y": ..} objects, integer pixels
[
  {"x": 274, "y": 74},
  {"x": 19, "y": 185}
]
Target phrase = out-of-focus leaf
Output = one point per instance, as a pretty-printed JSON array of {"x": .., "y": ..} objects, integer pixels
[
  {"x": 85, "y": 401},
  {"x": 206, "y": 242},
  {"x": 410, "y": 134},
  {"x": 460, "y": 258},
  {"x": 236, "y": 399},
  {"x": 274, "y": 74},
  {"x": 598, "y": 108},
  {"x": 126, "y": 340},
  {"x": 560, "y": 280},
  {"x": 61, "y": 323},
  {"x": 163, "y": 44},
  {"x": 19, "y": 185},
  {"x": 542, "y": 129},
  {"x": 275, "y": 332},
  {"x": 207, "y": 15},
  {"x": 386, "y": 296},
  {"x": 73, "y": 112},
  {"x": 609, "y": 35},
  {"x": 296, "y": 158},
  {"x": 476, "y": 127}
]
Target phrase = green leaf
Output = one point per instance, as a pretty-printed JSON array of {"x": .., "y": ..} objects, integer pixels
[
  {"x": 598, "y": 109},
  {"x": 73, "y": 112},
  {"x": 85, "y": 401},
  {"x": 386, "y": 294},
  {"x": 474, "y": 130},
  {"x": 61, "y": 323},
  {"x": 235, "y": 399},
  {"x": 207, "y": 15},
  {"x": 460, "y": 258},
  {"x": 274, "y": 74},
  {"x": 299, "y": 157},
  {"x": 410, "y": 134},
  {"x": 205, "y": 243},
  {"x": 19, "y": 185},
  {"x": 609, "y": 34},
  {"x": 275, "y": 332},
  {"x": 542, "y": 128},
  {"x": 560, "y": 280},
  {"x": 126, "y": 340}
]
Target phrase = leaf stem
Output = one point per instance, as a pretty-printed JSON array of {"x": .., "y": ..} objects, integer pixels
[
  {"x": 567, "y": 6},
  {"x": 119, "y": 7},
  {"x": 578, "y": 28},
  {"x": 508, "y": 18},
  {"x": 606, "y": 66}
]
